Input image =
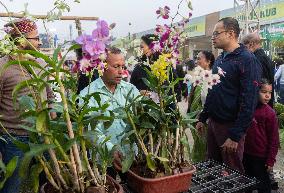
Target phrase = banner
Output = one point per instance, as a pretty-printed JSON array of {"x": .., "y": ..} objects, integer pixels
[
  {"x": 268, "y": 12},
  {"x": 196, "y": 27}
]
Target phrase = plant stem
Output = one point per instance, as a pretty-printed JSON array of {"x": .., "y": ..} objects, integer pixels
[
  {"x": 48, "y": 175},
  {"x": 55, "y": 162},
  {"x": 151, "y": 142},
  {"x": 140, "y": 140},
  {"x": 75, "y": 149},
  {"x": 84, "y": 150},
  {"x": 158, "y": 146},
  {"x": 74, "y": 171},
  {"x": 176, "y": 144}
]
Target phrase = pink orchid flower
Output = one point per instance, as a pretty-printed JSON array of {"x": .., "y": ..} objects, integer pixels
[
  {"x": 163, "y": 12},
  {"x": 83, "y": 39},
  {"x": 102, "y": 31}
]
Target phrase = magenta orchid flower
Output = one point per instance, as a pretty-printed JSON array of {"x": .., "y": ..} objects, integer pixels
[
  {"x": 84, "y": 65},
  {"x": 163, "y": 12}
]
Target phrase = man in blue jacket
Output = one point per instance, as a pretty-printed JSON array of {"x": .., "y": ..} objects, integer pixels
[{"x": 230, "y": 105}]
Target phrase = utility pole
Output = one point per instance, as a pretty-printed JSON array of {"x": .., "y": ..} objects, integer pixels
[
  {"x": 247, "y": 12},
  {"x": 70, "y": 32}
]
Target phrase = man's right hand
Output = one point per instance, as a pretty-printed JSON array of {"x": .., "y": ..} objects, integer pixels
[{"x": 200, "y": 128}]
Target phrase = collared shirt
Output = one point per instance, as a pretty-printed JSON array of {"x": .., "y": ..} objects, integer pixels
[{"x": 116, "y": 100}]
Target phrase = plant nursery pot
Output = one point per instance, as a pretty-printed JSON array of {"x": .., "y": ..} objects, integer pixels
[
  {"x": 114, "y": 188},
  {"x": 169, "y": 184}
]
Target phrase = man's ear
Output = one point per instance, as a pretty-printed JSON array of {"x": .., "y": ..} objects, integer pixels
[{"x": 232, "y": 34}]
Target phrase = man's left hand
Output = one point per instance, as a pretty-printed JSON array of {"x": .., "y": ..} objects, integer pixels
[{"x": 230, "y": 146}]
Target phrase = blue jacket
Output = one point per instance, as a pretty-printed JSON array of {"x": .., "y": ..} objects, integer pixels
[{"x": 235, "y": 98}]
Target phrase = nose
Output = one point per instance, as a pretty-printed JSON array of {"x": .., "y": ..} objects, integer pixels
[
  {"x": 39, "y": 42},
  {"x": 120, "y": 70}
]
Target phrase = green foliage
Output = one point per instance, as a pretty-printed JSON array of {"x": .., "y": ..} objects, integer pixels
[
  {"x": 154, "y": 127},
  {"x": 7, "y": 171},
  {"x": 50, "y": 139},
  {"x": 279, "y": 108}
]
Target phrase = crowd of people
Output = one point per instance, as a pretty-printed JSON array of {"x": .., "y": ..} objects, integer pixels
[{"x": 236, "y": 116}]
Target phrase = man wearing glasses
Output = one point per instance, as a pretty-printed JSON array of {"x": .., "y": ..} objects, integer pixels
[
  {"x": 230, "y": 105},
  {"x": 9, "y": 79}
]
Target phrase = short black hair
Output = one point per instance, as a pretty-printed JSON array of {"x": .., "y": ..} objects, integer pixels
[
  {"x": 265, "y": 81},
  {"x": 190, "y": 64},
  {"x": 231, "y": 23},
  {"x": 114, "y": 50},
  {"x": 209, "y": 57},
  {"x": 149, "y": 38}
]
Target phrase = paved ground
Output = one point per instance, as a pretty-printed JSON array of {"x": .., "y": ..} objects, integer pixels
[{"x": 279, "y": 166}]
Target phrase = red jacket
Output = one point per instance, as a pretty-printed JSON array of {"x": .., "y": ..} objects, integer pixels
[{"x": 262, "y": 138}]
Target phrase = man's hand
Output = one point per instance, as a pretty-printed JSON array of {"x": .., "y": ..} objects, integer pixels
[
  {"x": 145, "y": 93},
  {"x": 200, "y": 128},
  {"x": 117, "y": 157},
  {"x": 269, "y": 168},
  {"x": 230, "y": 146}
]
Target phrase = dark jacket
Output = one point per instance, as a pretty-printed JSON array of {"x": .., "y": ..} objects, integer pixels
[
  {"x": 267, "y": 69},
  {"x": 84, "y": 80},
  {"x": 262, "y": 137},
  {"x": 234, "y": 99},
  {"x": 266, "y": 64},
  {"x": 137, "y": 76}
]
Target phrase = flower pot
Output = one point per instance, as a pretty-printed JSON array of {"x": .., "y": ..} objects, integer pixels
[
  {"x": 114, "y": 188},
  {"x": 169, "y": 184}
]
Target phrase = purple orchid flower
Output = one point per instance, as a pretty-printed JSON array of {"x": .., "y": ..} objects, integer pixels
[
  {"x": 94, "y": 47},
  {"x": 83, "y": 39},
  {"x": 102, "y": 31}
]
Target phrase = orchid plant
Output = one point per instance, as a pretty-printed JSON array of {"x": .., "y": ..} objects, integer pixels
[
  {"x": 71, "y": 156},
  {"x": 157, "y": 127},
  {"x": 204, "y": 78}
]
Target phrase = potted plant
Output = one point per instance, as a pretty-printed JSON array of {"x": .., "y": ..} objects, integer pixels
[
  {"x": 155, "y": 145},
  {"x": 68, "y": 148}
]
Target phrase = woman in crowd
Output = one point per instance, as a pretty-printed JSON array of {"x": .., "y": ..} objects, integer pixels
[
  {"x": 205, "y": 60},
  {"x": 196, "y": 101},
  {"x": 148, "y": 57}
]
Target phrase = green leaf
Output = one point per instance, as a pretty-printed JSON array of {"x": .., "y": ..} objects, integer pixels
[
  {"x": 35, "y": 150},
  {"x": 127, "y": 162},
  {"x": 189, "y": 5},
  {"x": 2, "y": 139},
  {"x": 147, "y": 125},
  {"x": 9, "y": 170},
  {"x": 37, "y": 55},
  {"x": 34, "y": 176},
  {"x": 150, "y": 162},
  {"x": 27, "y": 102},
  {"x": 21, "y": 145},
  {"x": 41, "y": 121},
  {"x": 24, "y": 84},
  {"x": 56, "y": 53},
  {"x": 162, "y": 159},
  {"x": 73, "y": 47},
  {"x": 69, "y": 144}
]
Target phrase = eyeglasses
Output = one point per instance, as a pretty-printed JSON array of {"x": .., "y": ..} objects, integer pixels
[
  {"x": 35, "y": 38},
  {"x": 215, "y": 33}
]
